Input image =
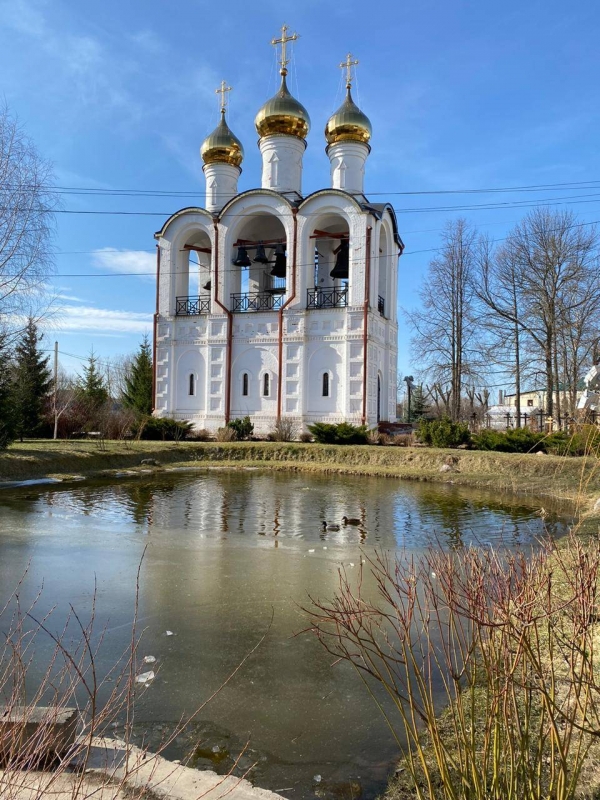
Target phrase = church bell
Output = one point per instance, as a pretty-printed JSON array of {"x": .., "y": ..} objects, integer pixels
[
  {"x": 242, "y": 259},
  {"x": 261, "y": 256},
  {"x": 207, "y": 286},
  {"x": 280, "y": 263},
  {"x": 340, "y": 270}
]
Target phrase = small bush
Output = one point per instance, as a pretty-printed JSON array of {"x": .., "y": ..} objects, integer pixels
[
  {"x": 243, "y": 428},
  {"x": 201, "y": 435},
  {"x": 161, "y": 428},
  {"x": 443, "y": 432},
  {"x": 516, "y": 440},
  {"x": 344, "y": 433},
  {"x": 399, "y": 440},
  {"x": 284, "y": 430},
  {"x": 585, "y": 440},
  {"x": 226, "y": 434},
  {"x": 305, "y": 437},
  {"x": 374, "y": 437}
]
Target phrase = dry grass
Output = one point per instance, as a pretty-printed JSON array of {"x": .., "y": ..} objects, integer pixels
[{"x": 570, "y": 479}]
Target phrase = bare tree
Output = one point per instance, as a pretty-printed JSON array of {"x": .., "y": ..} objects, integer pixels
[
  {"x": 556, "y": 260},
  {"x": 63, "y": 397},
  {"x": 498, "y": 288},
  {"x": 445, "y": 330},
  {"x": 26, "y": 221}
]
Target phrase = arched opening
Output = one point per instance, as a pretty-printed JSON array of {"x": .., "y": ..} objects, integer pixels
[
  {"x": 266, "y": 384},
  {"x": 331, "y": 274},
  {"x": 383, "y": 274},
  {"x": 259, "y": 261},
  {"x": 325, "y": 384},
  {"x": 193, "y": 281},
  {"x": 191, "y": 385},
  {"x": 245, "y": 383}
]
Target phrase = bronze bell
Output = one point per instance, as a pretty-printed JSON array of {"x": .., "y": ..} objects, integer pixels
[
  {"x": 342, "y": 261},
  {"x": 261, "y": 256},
  {"x": 280, "y": 263},
  {"x": 207, "y": 286},
  {"x": 242, "y": 259}
]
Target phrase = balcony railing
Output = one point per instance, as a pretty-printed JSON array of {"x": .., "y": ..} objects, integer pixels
[
  {"x": 381, "y": 305},
  {"x": 331, "y": 297},
  {"x": 242, "y": 302},
  {"x": 192, "y": 306}
]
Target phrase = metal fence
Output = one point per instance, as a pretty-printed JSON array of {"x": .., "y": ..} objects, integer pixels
[{"x": 538, "y": 421}]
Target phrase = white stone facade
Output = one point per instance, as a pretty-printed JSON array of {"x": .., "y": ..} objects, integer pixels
[{"x": 232, "y": 341}]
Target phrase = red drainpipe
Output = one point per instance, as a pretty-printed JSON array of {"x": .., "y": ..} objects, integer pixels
[
  {"x": 365, "y": 322},
  {"x": 281, "y": 310},
  {"x": 229, "y": 329},
  {"x": 154, "y": 330}
]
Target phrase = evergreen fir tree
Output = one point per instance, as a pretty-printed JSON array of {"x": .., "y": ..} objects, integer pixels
[
  {"x": 31, "y": 382},
  {"x": 138, "y": 384},
  {"x": 91, "y": 388},
  {"x": 418, "y": 405},
  {"x": 7, "y": 416}
]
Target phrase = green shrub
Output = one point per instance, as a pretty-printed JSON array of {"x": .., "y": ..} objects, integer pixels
[
  {"x": 443, "y": 432},
  {"x": 243, "y": 428},
  {"x": 161, "y": 428},
  {"x": 344, "y": 433},
  {"x": 515, "y": 440},
  {"x": 585, "y": 440}
]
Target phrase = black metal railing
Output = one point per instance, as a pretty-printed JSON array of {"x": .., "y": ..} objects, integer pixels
[
  {"x": 191, "y": 306},
  {"x": 242, "y": 302},
  {"x": 381, "y": 305},
  {"x": 331, "y": 297}
]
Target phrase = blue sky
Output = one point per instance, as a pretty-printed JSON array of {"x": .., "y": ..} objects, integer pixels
[{"x": 462, "y": 95}]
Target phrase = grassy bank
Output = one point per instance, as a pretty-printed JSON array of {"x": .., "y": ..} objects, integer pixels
[{"x": 572, "y": 479}]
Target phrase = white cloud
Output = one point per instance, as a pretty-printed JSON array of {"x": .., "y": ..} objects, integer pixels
[
  {"x": 138, "y": 262},
  {"x": 100, "y": 321}
]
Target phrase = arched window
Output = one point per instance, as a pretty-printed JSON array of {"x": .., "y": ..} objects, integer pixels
[
  {"x": 192, "y": 387},
  {"x": 245, "y": 384},
  {"x": 266, "y": 384},
  {"x": 325, "y": 384}
]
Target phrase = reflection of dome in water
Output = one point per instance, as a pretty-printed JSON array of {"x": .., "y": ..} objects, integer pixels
[
  {"x": 222, "y": 146},
  {"x": 283, "y": 114},
  {"x": 348, "y": 124}
]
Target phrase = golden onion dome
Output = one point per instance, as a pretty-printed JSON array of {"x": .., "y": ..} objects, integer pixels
[
  {"x": 222, "y": 146},
  {"x": 283, "y": 114},
  {"x": 348, "y": 124}
]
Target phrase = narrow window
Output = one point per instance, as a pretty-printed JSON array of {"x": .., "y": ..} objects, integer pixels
[
  {"x": 245, "y": 384},
  {"x": 266, "y": 384},
  {"x": 325, "y": 384},
  {"x": 191, "y": 391}
]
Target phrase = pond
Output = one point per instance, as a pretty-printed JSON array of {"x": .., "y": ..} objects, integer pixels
[{"x": 226, "y": 550}]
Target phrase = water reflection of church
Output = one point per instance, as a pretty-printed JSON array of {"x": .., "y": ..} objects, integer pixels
[{"x": 274, "y": 304}]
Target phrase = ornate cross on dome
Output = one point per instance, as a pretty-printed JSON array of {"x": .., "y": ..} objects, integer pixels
[
  {"x": 222, "y": 90},
  {"x": 347, "y": 65},
  {"x": 283, "y": 61}
]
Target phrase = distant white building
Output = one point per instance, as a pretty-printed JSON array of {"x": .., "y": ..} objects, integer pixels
[{"x": 272, "y": 304}]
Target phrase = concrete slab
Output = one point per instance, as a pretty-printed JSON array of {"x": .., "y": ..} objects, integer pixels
[
  {"x": 38, "y": 732},
  {"x": 118, "y": 772}
]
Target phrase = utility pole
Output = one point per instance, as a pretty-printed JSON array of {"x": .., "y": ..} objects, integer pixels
[{"x": 55, "y": 390}]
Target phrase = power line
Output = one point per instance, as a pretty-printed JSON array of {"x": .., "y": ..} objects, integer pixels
[
  {"x": 88, "y": 190},
  {"x": 543, "y": 202}
]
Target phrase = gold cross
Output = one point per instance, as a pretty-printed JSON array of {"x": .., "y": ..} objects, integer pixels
[
  {"x": 222, "y": 90},
  {"x": 283, "y": 61},
  {"x": 347, "y": 65}
]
